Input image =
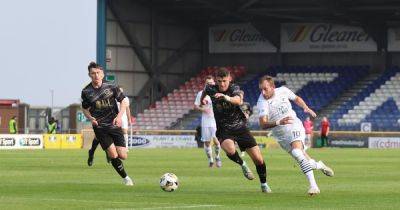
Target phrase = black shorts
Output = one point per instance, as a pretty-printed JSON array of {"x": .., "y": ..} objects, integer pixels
[
  {"x": 243, "y": 138},
  {"x": 108, "y": 136}
]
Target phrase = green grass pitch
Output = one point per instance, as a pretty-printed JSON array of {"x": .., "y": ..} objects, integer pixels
[{"x": 60, "y": 179}]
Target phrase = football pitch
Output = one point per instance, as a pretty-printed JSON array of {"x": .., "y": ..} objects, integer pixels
[{"x": 61, "y": 179}]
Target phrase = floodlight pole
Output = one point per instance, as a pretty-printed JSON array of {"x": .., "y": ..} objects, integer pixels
[{"x": 52, "y": 100}]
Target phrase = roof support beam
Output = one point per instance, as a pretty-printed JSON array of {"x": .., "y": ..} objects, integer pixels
[
  {"x": 133, "y": 41},
  {"x": 168, "y": 63}
]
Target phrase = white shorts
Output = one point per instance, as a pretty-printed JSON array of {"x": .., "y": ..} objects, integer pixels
[
  {"x": 124, "y": 123},
  {"x": 287, "y": 134},
  {"x": 207, "y": 133}
]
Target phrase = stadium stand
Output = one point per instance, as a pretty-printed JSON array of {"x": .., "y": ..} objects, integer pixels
[
  {"x": 318, "y": 85},
  {"x": 175, "y": 105},
  {"x": 377, "y": 104}
]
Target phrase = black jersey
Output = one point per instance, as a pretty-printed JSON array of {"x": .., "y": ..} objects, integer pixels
[
  {"x": 228, "y": 117},
  {"x": 102, "y": 102}
]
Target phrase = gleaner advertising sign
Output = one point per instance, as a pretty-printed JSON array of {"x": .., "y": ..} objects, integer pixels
[
  {"x": 237, "y": 38},
  {"x": 321, "y": 37}
]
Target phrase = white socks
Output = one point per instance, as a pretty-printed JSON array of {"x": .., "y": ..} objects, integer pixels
[
  {"x": 208, "y": 151},
  {"x": 311, "y": 179},
  {"x": 305, "y": 165},
  {"x": 217, "y": 152}
]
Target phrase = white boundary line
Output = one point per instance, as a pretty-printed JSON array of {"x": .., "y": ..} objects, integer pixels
[
  {"x": 169, "y": 207},
  {"x": 4, "y": 198}
]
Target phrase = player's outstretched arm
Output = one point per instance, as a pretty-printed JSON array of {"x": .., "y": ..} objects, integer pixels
[
  {"x": 235, "y": 100},
  {"x": 300, "y": 102},
  {"x": 265, "y": 124}
]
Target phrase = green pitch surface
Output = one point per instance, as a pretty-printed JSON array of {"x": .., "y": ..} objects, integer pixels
[{"x": 60, "y": 179}]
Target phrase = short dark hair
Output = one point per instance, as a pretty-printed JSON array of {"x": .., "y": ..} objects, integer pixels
[
  {"x": 267, "y": 78},
  {"x": 222, "y": 72},
  {"x": 208, "y": 77},
  {"x": 94, "y": 65}
]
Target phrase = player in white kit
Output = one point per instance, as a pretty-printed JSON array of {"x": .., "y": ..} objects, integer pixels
[
  {"x": 126, "y": 120},
  {"x": 275, "y": 111},
  {"x": 208, "y": 126}
]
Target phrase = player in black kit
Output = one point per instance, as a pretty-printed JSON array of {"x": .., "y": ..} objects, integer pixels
[
  {"x": 99, "y": 103},
  {"x": 232, "y": 125}
]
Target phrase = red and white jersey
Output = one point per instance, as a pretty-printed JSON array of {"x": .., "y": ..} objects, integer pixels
[
  {"x": 278, "y": 106},
  {"x": 207, "y": 117}
]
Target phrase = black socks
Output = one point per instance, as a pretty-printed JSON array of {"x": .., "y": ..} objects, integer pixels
[
  {"x": 236, "y": 158},
  {"x": 95, "y": 142},
  {"x": 118, "y": 166},
  {"x": 262, "y": 172}
]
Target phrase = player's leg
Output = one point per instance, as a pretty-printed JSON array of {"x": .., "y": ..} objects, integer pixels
[
  {"x": 248, "y": 143},
  {"x": 217, "y": 146},
  {"x": 91, "y": 151},
  {"x": 298, "y": 154},
  {"x": 258, "y": 160},
  {"x": 228, "y": 145},
  {"x": 117, "y": 152},
  {"x": 125, "y": 132},
  {"x": 217, "y": 149},
  {"x": 206, "y": 136},
  {"x": 208, "y": 151},
  {"x": 319, "y": 165}
]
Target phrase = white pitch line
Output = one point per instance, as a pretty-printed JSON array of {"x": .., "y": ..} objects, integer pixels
[
  {"x": 3, "y": 198},
  {"x": 168, "y": 207}
]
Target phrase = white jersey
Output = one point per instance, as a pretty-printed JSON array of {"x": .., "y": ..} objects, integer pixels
[
  {"x": 277, "y": 108},
  {"x": 124, "y": 116},
  {"x": 207, "y": 118}
]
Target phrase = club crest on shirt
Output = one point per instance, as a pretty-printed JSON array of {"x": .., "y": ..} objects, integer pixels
[{"x": 107, "y": 93}]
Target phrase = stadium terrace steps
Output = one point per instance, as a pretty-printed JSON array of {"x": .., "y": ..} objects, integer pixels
[
  {"x": 188, "y": 122},
  {"x": 377, "y": 104},
  {"x": 345, "y": 97}
]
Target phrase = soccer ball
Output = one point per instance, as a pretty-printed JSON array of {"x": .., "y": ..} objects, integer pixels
[{"x": 169, "y": 182}]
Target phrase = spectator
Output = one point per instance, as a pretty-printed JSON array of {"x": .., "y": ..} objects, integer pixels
[
  {"x": 309, "y": 127},
  {"x": 52, "y": 126},
  {"x": 324, "y": 131},
  {"x": 12, "y": 125}
]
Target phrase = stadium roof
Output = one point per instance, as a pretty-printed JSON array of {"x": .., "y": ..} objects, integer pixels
[{"x": 355, "y": 12}]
